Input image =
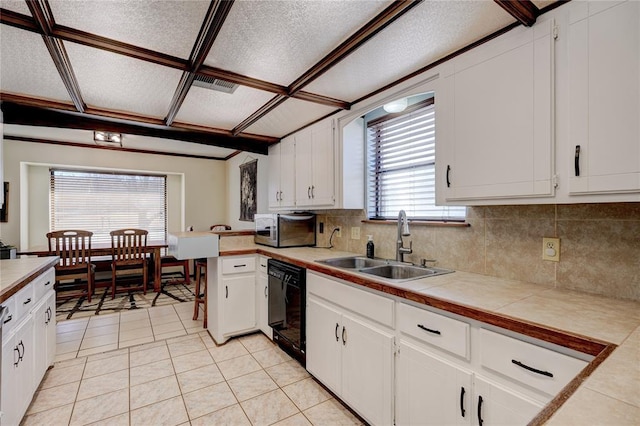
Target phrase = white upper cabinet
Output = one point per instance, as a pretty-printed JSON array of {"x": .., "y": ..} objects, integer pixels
[
  {"x": 495, "y": 129},
  {"x": 315, "y": 169},
  {"x": 282, "y": 174},
  {"x": 604, "y": 98},
  {"x": 314, "y": 165}
]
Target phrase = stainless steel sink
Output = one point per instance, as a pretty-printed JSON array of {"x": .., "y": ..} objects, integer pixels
[
  {"x": 400, "y": 272},
  {"x": 386, "y": 269},
  {"x": 356, "y": 262}
]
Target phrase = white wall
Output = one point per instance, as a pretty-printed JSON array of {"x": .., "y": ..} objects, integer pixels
[
  {"x": 201, "y": 184},
  {"x": 233, "y": 193}
]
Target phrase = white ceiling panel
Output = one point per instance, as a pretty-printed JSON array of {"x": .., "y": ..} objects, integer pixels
[
  {"x": 26, "y": 66},
  {"x": 221, "y": 110},
  {"x": 428, "y": 32},
  {"x": 128, "y": 141},
  {"x": 166, "y": 26},
  {"x": 278, "y": 41},
  {"x": 19, "y": 6},
  {"x": 113, "y": 81},
  {"x": 289, "y": 116}
]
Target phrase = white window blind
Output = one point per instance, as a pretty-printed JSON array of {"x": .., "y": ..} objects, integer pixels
[
  {"x": 101, "y": 202},
  {"x": 401, "y": 166}
]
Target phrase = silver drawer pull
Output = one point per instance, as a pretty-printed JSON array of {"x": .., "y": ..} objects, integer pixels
[
  {"x": 26, "y": 302},
  {"x": 240, "y": 266}
]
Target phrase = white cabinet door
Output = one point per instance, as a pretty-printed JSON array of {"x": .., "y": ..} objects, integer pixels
[
  {"x": 275, "y": 164},
  {"x": 323, "y": 343},
  {"x": 495, "y": 127},
  {"x": 18, "y": 384},
  {"x": 45, "y": 334},
  {"x": 497, "y": 405},
  {"x": 315, "y": 165},
  {"x": 262, "y": 297},
  {"x": 604, "y": 97},
  {"x": 238, "y": 303},
  {"x": 282, "y": 174},
  {"x": 430, "y": 390},
  {"x": 367, "y": 370}
]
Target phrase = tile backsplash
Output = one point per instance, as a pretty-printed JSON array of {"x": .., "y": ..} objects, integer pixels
[{"x": 599, "y": 244}]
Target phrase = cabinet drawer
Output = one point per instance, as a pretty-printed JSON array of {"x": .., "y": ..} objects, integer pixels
[
  {"x": 541, "y": 368},
  {"x": 25, "y": 301},
  {"x": 43, "y": 284},
  {"x": 239, "y": 265},
  {"x": 438, "y": 330},
  {"x": 10, "y": 318},
  {"x": 367, "y": 304}
]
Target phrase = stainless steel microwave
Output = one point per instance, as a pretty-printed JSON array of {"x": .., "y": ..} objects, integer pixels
[{"x": 285, "y": 230}]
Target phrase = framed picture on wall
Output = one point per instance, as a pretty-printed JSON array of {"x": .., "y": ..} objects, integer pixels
[
  {"x": 248, "y": 188},
  {"x": 4, "y": 212}
]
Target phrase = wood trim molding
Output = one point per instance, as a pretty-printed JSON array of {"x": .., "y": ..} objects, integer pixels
[
  {"x": 377, "y": 24},
  {"x": 524, "y": 11},
  {"x": 371, "y": 28},
  {"x": 38, "y": 116},
  {"x": 109, "y": 148},
  {"x": 216, "y": 15},
  {"x": 264, "y": 110},
  {"x": 44, "y": 19}
]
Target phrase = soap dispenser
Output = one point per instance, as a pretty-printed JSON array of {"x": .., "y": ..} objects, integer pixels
[{"x": 370, "y": 247}]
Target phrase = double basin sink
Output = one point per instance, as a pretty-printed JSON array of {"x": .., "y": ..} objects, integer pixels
[{"x": 387, "y": 269}]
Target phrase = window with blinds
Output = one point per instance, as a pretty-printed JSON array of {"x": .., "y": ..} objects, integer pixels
[
  {"x": 101, "y": 202},
  {"x": 401, "y": 166}
]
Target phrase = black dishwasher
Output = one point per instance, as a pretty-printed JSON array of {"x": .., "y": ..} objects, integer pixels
[{"x": 287, "y": 300}]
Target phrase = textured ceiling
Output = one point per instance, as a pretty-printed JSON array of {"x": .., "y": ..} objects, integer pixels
[{"x": 111, "y": 59}]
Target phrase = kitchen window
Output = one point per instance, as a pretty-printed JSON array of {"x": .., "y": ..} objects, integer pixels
[
  {"x": 101, "y": 202},
  {"x": 401, "y": 166}
]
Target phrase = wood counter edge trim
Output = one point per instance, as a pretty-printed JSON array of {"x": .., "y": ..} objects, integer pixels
[
  {"x": 580, "y": 343},
  {"x": 6, "y": 294},
  {"x": 552, "y": 406},
  {"x": 237, "y": 233}
]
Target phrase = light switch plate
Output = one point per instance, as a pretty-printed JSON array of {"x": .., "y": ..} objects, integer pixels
[{"x": 551, "y": 249}]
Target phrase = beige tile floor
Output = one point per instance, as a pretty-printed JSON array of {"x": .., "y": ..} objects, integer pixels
[{"x": 172, "y": 373}]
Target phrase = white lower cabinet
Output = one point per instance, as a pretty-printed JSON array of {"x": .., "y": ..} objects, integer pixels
[
  {"x": 262, "y": 297},
  {"x": 494, "y": 404},
  {"x": 231, "y": 293},
  {"x": 350, "y": 354},
  {"x": 18, "y": 384},
  {"x": 431, "y": 390},
  {"x": 45, "y": 334},
  {"x": 28, "y": 345}
]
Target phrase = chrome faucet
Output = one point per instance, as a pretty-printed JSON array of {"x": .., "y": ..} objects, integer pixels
[{"x": 403, "y": 230}]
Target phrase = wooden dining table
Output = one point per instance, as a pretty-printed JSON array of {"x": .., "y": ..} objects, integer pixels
[{"x": 154, "y": 248}]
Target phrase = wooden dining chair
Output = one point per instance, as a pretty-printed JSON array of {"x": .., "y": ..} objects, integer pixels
[
  {"x": 74, "y": 249},
  {"x": 129, "y": 254}
]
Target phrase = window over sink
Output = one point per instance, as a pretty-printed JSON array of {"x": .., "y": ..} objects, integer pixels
[{"x": 401, "y": 162}]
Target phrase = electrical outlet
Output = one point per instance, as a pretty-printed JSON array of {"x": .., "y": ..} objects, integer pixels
[
  {"x": 355, "y": 232},
  {"x": 338, "y": 231},
  {"x": 551, "y": 249}
]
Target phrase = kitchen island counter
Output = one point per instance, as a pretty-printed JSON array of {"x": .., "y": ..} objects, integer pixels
[{"x": 609, "y": 395}]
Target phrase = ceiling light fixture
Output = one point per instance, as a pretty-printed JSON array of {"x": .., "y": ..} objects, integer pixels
[
  {"x": 398, "y": 105},
  {"x": 107, "y": 138}
]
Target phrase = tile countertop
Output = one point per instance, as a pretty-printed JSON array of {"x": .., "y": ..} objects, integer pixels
[
  {"x": 609, "y": 395},
  {"x": 16, "y": 273}
]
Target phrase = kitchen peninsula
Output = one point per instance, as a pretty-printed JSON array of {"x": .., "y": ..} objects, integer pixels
[{"x": 608, "y": 328}]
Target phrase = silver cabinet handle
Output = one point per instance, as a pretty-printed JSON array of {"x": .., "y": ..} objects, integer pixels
[
  {"x": 226, "y": 290},
  {"x": 344, "y": 340},
  {"x": 308, "y": 192},
  {"x": 265, "y": 291},
  {"x": 313, "y": 190}
]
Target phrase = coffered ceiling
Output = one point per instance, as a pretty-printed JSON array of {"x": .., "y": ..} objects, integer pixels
[{"x": 139, "y": 66}]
